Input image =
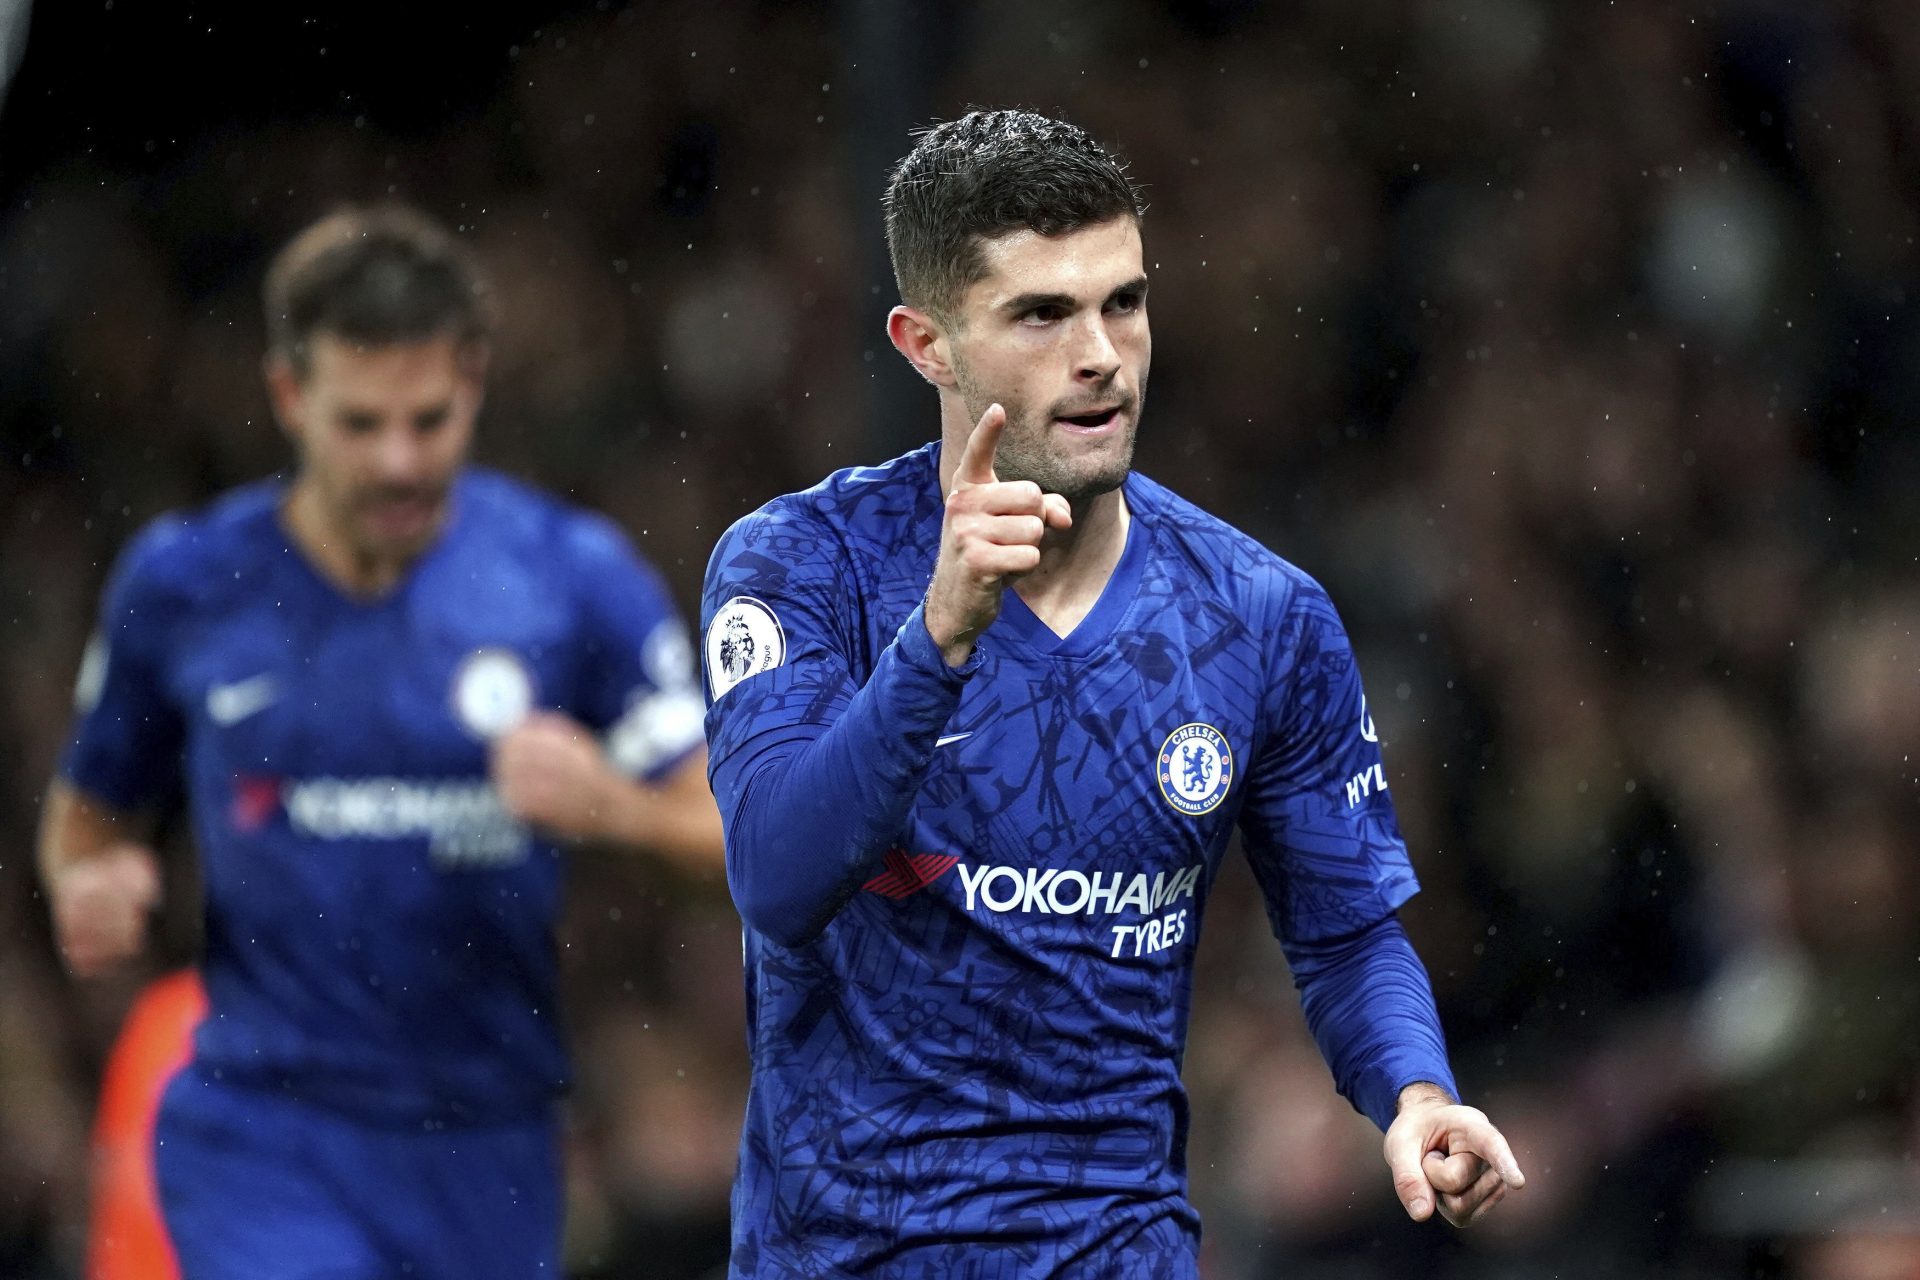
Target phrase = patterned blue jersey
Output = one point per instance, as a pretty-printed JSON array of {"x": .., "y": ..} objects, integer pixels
[
  {"x": 971, "y": 1068},
  {"x": 378, "y": 929}
]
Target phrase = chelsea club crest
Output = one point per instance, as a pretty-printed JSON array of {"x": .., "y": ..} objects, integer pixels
[
  {"x": 1195, "y": 768},
  {"x": 492, "y": 692}
]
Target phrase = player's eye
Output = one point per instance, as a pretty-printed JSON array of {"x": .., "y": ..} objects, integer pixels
[
  {"x": 1048, "y": 314},
  {"x": 431, "y": 420},
  {"x": 359, "y": 424},
  {"x": 1128, "y": 300}
]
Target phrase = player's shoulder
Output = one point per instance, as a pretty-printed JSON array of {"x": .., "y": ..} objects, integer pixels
[
  {"x": 504, "y": 509},
  {"x": 850, "y": 510},
  {"x": 1253, "y": 578},
  {"x": 495, "y": 504},
  {"x": 187, "y": 554},
  {"x": 859, "y": 498}
]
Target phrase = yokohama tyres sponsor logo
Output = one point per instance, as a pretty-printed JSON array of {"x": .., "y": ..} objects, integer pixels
[
  {"x": 1051, "y": 891},
  {"x": 463, "y": 822}
]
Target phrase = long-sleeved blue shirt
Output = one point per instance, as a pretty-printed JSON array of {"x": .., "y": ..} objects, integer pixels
[{"x": 972, "y": 896}]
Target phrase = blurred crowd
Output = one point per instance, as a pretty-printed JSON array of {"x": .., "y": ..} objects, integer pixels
[{"x": 1574, "y": 347}]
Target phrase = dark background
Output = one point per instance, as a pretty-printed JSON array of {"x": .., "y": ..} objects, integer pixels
[{"x": 1572, "y": 345}]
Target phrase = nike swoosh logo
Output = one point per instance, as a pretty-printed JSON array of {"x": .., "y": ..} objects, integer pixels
[
  {"x": 953, "y": 737},
  {"x": 231, "y": 703}
]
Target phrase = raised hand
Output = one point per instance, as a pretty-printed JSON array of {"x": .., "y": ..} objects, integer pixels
[{"x": 990, "y": 535}]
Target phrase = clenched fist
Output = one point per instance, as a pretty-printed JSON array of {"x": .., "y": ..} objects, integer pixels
[
  {"x": 101, "y": 904},
  {"x": 551, "y": 772}
]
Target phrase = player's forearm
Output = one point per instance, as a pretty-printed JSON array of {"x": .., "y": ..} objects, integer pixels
[
  {"x": 99, "y": 879},
  {"x": 809, "y": 816},
  {"x": 680, "y": 829},
  {"x": 1370, "y": 1008},
  {"x": 73, "y": 828}
]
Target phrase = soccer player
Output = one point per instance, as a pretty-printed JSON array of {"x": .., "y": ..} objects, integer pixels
[
  {"x": 388, "y": 688},
  {"x": 982, "y": 721}
]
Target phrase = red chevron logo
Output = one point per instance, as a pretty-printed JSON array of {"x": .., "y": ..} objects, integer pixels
[
  {"x": 255, "y": 800},
  {"x": 909, "y": 873}
]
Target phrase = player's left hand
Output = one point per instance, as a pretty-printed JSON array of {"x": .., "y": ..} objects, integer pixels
[
  {"x": 1441, "y": 1151},
  {"x": 550, "y": 772}
]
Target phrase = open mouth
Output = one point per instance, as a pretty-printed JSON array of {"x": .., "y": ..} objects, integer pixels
[
  {"x": 1091, "y": 421},
  {"x": 403, "y": 516}
]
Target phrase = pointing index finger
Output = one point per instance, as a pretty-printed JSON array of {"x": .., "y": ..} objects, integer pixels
[
  {"x": 1490, "y": 1145},
  {"x": 976, "y": 462}
]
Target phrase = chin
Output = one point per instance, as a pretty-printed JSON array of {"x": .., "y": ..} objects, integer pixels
[
  {"x": 1085, "y": 488},
  {"x": 394, "y": 547},
  {"x": 1078, "y": 475},
  {"x": 1105, "y": 473}
]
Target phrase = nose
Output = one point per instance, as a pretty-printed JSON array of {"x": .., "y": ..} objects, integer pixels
[
  {"x": 400, "y": 457},
  {"x": 1097, "y": 360}
]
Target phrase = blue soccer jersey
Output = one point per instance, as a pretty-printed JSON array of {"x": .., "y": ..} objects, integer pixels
[
  {"x": 378, "y": 928},
  {"x": 966, "y": 1034}
]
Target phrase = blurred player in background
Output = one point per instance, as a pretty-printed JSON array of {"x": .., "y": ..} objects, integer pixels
[
  {"x": 388, "y": 687},
  {"x": 983, "y": 720}
]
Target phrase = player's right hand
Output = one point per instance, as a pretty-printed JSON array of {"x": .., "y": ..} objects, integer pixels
[
  {"x": 1440, "y": 1150},
  {"x": 100, "y": 906},
  {"x": 990, "y": 535}
]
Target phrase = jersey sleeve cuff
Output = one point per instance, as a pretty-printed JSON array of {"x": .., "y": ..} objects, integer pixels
[
  {"x": 919, "y": 652},
  {"x": 1379, "y": 1097}
]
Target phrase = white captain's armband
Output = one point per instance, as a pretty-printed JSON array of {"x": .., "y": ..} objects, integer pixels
[
  {"x": 744, "y": 639},
  {"x": 92, "y": 680},
  {"x": 662, "y": 722},
  {"x": 657, "y": 727}
]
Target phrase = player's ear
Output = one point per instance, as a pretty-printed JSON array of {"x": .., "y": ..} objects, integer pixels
[
  {"x": 472, "y": 359},
  {"x": 284, "y": 391},
  {"x": 923, "y": 341}
]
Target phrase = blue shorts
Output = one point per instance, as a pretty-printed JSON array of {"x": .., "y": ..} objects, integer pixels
[{"x": 254, "y": 1186}]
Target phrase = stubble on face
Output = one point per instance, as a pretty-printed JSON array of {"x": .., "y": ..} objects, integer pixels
[
  {"x": 382, "y": 512},
  {"x": 1027, "y": 445}
]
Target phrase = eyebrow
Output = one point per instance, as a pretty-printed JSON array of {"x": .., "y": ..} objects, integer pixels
[{"x": 1032, "y": 301}]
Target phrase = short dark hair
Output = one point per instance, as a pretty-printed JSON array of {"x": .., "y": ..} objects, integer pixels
[
  {"x": 374, "y": 277},
  {"x": 985, "y": 175}
]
